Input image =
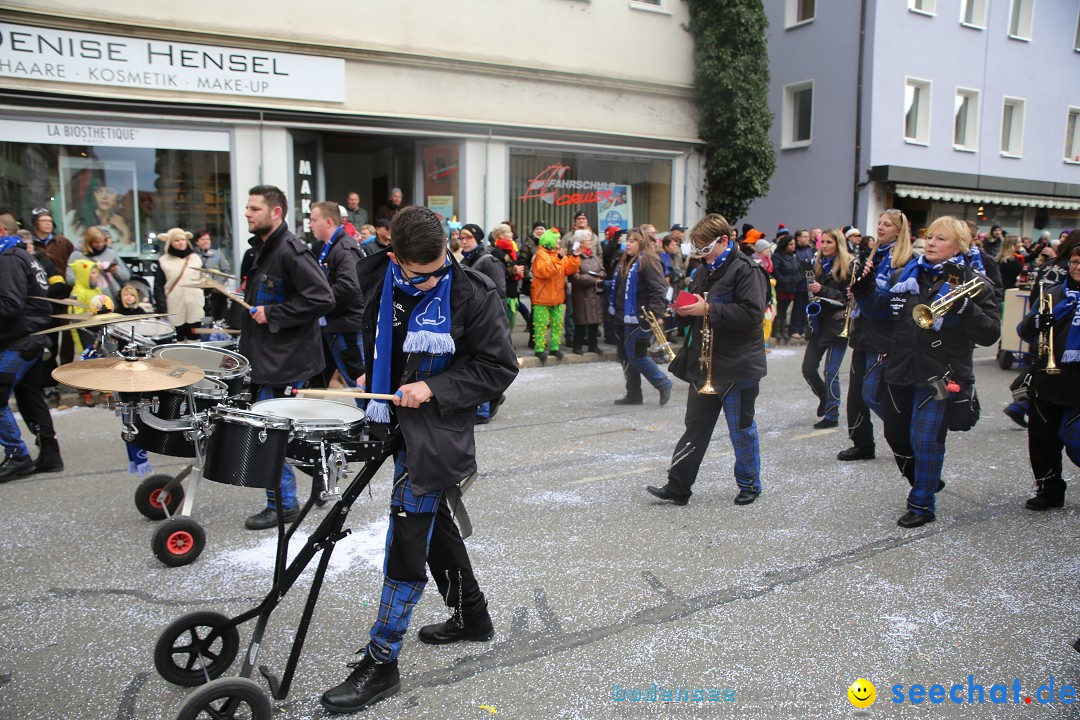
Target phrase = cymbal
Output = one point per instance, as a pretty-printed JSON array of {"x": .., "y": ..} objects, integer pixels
[
  {"x": 101, "y": 319},
  {"x": 213, "y": 330},
  {"x": 117, "y": 374},
  {"x": 204, "y": 283},
  {"x": 63, "y": 301},
  {"x": 74, "y": 316},
  {"x": 212, "y": 271}
]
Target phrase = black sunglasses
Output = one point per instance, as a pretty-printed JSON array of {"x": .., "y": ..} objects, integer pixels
[{"x": 421, "y": 279}]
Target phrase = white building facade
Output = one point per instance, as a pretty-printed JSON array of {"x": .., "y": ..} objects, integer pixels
[{"x": 151, "y": 115}]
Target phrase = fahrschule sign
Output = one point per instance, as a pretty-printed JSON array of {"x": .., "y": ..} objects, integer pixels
[{"x": 75, "y": 57}]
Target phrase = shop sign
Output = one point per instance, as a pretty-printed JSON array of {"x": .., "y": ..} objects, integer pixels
[
  {"x": 49, "y": 132},
  {"x": 122, "y": 62},
  {"x": 549, "y": 186}
]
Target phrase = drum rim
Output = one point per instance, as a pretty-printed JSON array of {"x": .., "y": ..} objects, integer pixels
[
  {"x": 114, "y": 329},
  {"x": 318, "y": 423},
  {"x": 244, "y": 365},
  {"x": 237, "y": 416}
]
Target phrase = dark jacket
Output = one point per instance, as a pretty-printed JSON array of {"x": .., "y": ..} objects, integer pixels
[
  {"x": 737, "y": 292},
  {"x": 57, "y": 248},
  {"x": 831, "y": 318},
  {"x": 372, "y": 246},
  {"x": 526, "y": 250},
  {"x": 22, "y": 278},
  {"x": 651, "y": 289},
  {"x": 1063, "y": 388},
  {"x": 439, "y": 434},
  {"x": 513, "y": 285},
  {"x": 484, "y": 262},
  {"x": 916, "y": 355},
  {"x": 286, "y": 280},
  {"x": 589, "y": 305},
  {"x": 993, "y": 274},
  {"x": 1009, "y": 268},
  {"x": 340, "y": 264},
  {"x": 789, "y": 275},
  {"x": 872, "y": 330}
]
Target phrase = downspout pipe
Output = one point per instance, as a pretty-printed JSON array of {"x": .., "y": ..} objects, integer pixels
[{"x": 857, "y": 180}]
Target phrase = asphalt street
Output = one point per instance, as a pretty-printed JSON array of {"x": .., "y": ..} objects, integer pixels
[{"x": 597, "y": 590}]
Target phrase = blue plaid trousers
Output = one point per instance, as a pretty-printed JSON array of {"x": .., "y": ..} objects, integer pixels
[
  {"x": 873, "y": 380},
  {"x": 288, "y": 475},
  {"x": 834, "y": 356},
  {"x": 411, "y": 517},
  {"x": 915, "y": 427},
  {"x": 13, "y": 367}
]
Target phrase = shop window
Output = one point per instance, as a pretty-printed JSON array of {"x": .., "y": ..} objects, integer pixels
[
  {"x": 798, "y": 116},
  {"x": 1012, "y": 127},
  {"x": 1021, "y": 16},
  {"x": 927, "y": 7},
  {"x": 1072, "y": 136},
  {"x": 966, "y": 120},
  {"x": 550, "y": 186},
  {"x": 797, "y": 12},
  {"x": 917, "y": 111},
  {"x": 973, "y": 13}
]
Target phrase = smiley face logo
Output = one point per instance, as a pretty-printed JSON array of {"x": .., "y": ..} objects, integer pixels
[{"x": 862, "y": 693}]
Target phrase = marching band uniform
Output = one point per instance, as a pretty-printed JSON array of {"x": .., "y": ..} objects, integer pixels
[
  {"x": 1054, "y": 420},
  {"x": 824, "y": 329},
  {"x": 736, "y": 288},
  {"x": 916, "y": 420}
]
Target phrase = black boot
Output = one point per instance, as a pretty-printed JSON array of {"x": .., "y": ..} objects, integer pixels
[
  {"x": 1047, "y": 495},
  {"x": 368, "y": 683},
  {"x": 594, "y": 349},
  {"x": 15, "y": 466},
  {"x": 856, "y": 453},
  {"x": 457, "y": 628},
  {"x": 48, "y": 460}
]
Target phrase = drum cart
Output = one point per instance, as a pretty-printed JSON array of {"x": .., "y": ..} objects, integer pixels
[{"x": 197, "y": 648}]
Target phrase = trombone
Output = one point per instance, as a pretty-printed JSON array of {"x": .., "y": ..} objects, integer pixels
[
  {"x": 1046, "y": 340},
  {"x": 926, "y": 315},
  {"x": 705, "y": 360},
  {"x": 661, "y": 351}
]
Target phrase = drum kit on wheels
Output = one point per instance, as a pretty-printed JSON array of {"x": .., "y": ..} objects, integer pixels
[{"x": 191, "y": 400}]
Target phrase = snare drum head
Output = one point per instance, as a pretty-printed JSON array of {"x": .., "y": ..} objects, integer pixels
[
  {"x": 309, "y": 409},
  {"x": 154, "y": 330},
  {"x": 214, "y": 361}
]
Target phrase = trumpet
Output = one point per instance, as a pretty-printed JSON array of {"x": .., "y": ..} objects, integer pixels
[
  {"x": 661, "y": 351},
  {"x": 1046, "y": 340},
  {"x": 926, "y": 315},
  {"x": 705, "y": 360}
]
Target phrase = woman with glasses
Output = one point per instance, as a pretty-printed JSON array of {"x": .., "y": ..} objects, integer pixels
[
  {"x": 639, "y": 286},
  {"x": 825, "y": 320},
  {"x": 729, "y": 290},
  {"x": 1054, "y": 420},
  {"x": 870, "y": 333}
]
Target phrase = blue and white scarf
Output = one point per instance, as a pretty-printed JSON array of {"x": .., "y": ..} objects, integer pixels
[
  {"x": 826, "y": 267},
  {"x": 9, "y": 241},
  {"x": 428, "y": 331},
  {"x": 908, "y": 282},
  {"x": 721, "y": 258},
  {"x": 1062, "y": 311},
  {"x": 629, "y": 310},
  {"x": 326, "y": 248},
  {"x": 882, "y": 270},
  {"x": 974, "y": 256}
]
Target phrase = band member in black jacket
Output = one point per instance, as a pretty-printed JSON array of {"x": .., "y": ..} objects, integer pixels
[
  {"x": 435, "y": 336},
  {"x": 337, "y": 257},
  {"x": 22, "y": 279},
  {"x": 638, "y": 284},
  {"x": 825, "y": 317},
  {"x": 1054, "y": 421},
  {"x": 735, "y": 312},
  {"x": 288, "y": 294},
  {"x": 928, "y": 374}
]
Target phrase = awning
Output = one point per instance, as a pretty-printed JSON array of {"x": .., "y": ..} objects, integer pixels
[{"x": 983, "y": 197}]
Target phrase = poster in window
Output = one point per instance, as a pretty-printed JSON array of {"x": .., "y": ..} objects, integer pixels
[
  {"x": 102, "y": 193},
  {"x": 616, "y": 209}
]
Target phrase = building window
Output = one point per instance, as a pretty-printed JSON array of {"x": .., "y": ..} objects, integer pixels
[
  {"x": 928, "y": 7},
  {"x": 917, "y": 111},
  {"x": 1076, "y": 42},
  {"x": 966, "y": 120},
  {"x": 973, "y": 13},
  {"x": 1072, "y": 136},
  {"x": 1012, "y": 127},
  {"x": 656, "y": 6},
  {"x": 798, "y": 121},
  {"x": 1020, "y": 19},
  {"x": 797, "y": 12}
]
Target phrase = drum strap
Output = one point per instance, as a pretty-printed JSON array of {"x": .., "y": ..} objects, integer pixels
[{"x": 179, "y": 276}]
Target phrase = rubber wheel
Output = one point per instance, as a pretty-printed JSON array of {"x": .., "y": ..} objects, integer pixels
[
  {"x": 190, "y": 644},
  {"x": 149, "y": 497},
  {"x": 1005, "y": 360},
  {"x": 227, "y": 699},
  {"x": 178, "y": 541}
]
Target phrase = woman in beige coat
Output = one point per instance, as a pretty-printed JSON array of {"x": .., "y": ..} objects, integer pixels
[{"x": 176, "y": 270}]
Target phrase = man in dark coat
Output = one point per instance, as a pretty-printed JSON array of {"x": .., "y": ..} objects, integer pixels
[
  {"x": 288, "y": 294},
  {"x": 735, "y": 312},
  {"x": 338, "y": 256},
  {"x": 435, "y": 336}
]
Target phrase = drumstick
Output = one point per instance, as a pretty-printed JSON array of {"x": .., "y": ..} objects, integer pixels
[{"x": 359, "y": 394}]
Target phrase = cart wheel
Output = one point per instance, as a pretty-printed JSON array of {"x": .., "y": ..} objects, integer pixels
[
  {"x": 1005, "y": 360},
  {"x": 178, "y": 541},
  {"x": 192, "y": 644},
  {"x": 150, "y": 498},
  {"x": 227, "y": 699}
]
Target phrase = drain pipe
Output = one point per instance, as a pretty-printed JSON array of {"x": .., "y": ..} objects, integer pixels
[{"x": 857, "y": 183}]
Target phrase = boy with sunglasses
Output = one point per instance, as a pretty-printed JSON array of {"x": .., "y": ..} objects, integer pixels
[{"x": 436, "y": 337}]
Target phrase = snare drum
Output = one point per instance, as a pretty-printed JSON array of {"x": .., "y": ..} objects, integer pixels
[
  {"x": 315, "y": 422},
  {"x": 229, "y": 367},
  {"x": 148, "y": 333},
  {"x": 246, "y": 448},
  {"x": 173, "y": 405}
]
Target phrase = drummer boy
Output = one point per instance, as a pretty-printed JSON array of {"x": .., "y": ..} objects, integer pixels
[{"x": 435, "y": 335}]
